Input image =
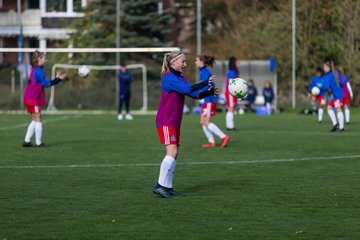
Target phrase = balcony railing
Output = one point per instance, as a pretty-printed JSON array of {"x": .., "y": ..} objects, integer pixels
[{"x": 30, "y": 17}]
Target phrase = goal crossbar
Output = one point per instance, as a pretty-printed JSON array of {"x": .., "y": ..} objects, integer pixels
[{"x": 89, "y": 50}]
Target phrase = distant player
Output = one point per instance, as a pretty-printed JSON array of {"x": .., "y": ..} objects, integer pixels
[
  {"x": 251, "y": 96},
  {"x": 174, "y": 87},
  {"x": 34, "y": 97},
  {"x": 331, "y": 81},
  {"x": 231, "y": 101},
  {"x": 347, "y": 92},
  {"x": 269, "y": 95},
  {"x": 318, "y": 102},
  {"x": 209, "y": 106},
  {"x": 125, "y": 79}
]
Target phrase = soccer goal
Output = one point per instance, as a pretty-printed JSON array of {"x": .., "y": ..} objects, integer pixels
[{"x": 142, "y": 67}]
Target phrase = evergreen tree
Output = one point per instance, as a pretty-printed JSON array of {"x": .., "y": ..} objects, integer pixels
[{"x": 142, "y": 25}]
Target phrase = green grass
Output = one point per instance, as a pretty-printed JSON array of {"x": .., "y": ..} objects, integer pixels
[{"x": 281, "y": 177}]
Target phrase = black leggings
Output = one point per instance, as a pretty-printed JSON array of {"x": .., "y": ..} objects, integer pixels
[{"x": 124, "y": 97}]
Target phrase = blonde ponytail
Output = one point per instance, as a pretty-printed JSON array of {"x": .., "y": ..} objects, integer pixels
[{"x": 168, "y": 57}]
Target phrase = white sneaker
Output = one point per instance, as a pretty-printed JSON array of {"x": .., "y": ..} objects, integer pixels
[
  {"x": 129, "y": 117},
  {"x": 120, "y": 117}
]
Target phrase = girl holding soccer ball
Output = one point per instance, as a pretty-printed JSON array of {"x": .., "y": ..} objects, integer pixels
[
  {"x": 174, "y": 87},
  {"x": 209, "y": 106},
  {"x": 34, "y": 97}
]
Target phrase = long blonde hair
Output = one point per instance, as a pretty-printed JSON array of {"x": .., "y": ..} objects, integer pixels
[
  {"x": 168, "y": 58},
  {"x": 335, "y": 72}
]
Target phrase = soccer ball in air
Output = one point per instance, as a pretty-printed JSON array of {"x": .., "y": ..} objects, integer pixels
[
  {"x": 315, "y": 91},
  {"x": 238, "y": 87},
  {"x": 84, "y": 71}
]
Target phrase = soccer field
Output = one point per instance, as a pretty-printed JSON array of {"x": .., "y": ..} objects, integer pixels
[{"x": 281, "y": 177}]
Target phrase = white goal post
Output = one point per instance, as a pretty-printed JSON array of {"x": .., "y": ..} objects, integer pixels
[{"x": 51, "y": 104}]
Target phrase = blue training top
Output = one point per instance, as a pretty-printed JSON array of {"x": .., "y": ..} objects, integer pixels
[
  {"x": 329, "y": 82},
  {"x": 205, "y": 74},
  {"x": 125, "y": 79},
  {"x": 318, "y": 82}
]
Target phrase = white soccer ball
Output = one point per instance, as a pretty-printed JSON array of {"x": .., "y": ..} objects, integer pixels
[
  {"x": 84, "y": 71},
  {"x": 315, "y": 91},
  {"x": 238, "y": 87}
]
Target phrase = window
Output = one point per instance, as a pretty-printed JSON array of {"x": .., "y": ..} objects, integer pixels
[{"x": 56, "y": 5}]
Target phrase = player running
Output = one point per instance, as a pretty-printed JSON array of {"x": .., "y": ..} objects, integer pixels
[
  {"x": 209, "y": 106},
  {"x": 319, "y": 100},
  {"x": 331, "y": 81},
  {"x": 174, "y": 87},
  {"x": 34, "y": 97}
]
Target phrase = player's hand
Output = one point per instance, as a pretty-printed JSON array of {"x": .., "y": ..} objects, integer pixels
[
  {"x": 211, "y": 80},
  {"x": 60, "y": 75}
]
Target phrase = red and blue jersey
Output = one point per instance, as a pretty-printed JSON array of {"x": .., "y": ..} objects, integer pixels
[
  {"x": 205, "y": 74},
  {"x": 345, "y": 80},
  {"x": 174, "y": 87},
  {"x": 317, "y": 82},
  {"x": 34, "y": 93},
  {"x": 329, "y": 82},
  {"x": 231, "y": 74}
]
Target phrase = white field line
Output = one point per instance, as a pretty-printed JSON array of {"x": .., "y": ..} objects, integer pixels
[
  {"x": 59, "y": 119},
  {"x": 183, "y": 163}
]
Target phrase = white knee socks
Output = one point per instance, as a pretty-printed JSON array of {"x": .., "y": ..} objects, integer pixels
[
  {"x": 229, "y": 120},
  {"x": 208, "y": 134},
  {"x": 332, "y": 117},
  {"x": 347, "y": 115},
  {"x": 30, "y": 131},
  {"x": 320, "y": 114},
  {"x": 212, "y": 127},
  {"x": 38, "y": 132},
  {"x": 167, "y": 170}
]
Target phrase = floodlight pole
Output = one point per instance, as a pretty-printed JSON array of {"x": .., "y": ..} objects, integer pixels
[
  {"x": 293, "y": 90},
  {"x": 198, "y": 27},
  {"x": 117, "y": 62}
]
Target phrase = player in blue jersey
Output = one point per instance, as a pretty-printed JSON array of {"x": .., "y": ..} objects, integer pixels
[
  {"x": 331, "y": 81},
  {"x": 125, "y": 79},
  {"x": 318, "y": 102},
  {"x": 209, "y": 106},
  {"x": 348, "y": 93}
]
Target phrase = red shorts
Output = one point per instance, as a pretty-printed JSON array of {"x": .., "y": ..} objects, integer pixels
[
  {"x": 169, "y": 135},
  {"x": 321, "y": 100},
  {"x": 208, "y": 109},
  {"x": 346, "y": 100},
  {"x": 230, "y": 100},
  {"x": 336, "y": 103},
  {"x": 33, "y": 109}
]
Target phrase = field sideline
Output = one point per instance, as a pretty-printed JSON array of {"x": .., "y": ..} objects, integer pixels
[{"x": 281, "y": 177}]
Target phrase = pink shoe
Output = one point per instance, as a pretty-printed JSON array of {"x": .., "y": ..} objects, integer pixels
[
  {"x": 209, "y": 145},
  {"x": 224, "y": 141}
]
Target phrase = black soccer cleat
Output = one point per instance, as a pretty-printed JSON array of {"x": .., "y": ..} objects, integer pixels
[
  {"x": 174, "y": 193},
  {"x": 40, "y": 145},
  {"x": 336, "y": 127},
  {"x": 27, "y": 144},
  {"x": 161, "y": 191}
]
